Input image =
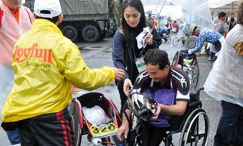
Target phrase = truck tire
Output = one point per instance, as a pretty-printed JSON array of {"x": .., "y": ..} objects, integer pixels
[
  {"x": 70, "y": 32},
  {"x": 90, "y": 34}
]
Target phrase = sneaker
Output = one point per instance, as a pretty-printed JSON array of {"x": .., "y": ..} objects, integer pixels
[
  {"x": 202, "y": 53},
  {"x": 209, "y": 58}
]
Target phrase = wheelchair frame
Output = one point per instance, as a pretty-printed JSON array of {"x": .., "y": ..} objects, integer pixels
[
  {"x": 192, "y": 69},
  {"x": 189, "y": 127},
  {"x": 177, "y": 40}
]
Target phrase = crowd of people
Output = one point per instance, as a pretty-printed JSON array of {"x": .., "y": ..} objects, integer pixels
[
  {"x": 39, "y": 67},
  {"x": 164, "y": 24}
]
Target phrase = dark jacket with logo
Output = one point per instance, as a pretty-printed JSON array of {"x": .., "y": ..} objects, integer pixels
[{"x": 123, "y": 53}]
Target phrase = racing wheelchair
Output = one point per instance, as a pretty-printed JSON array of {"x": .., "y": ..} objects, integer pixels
[
  {"x": 193, "y": 126},
  {"x": 98, "y": 134},
  {"x": 164, "y": 34},
  {"x": 189, "y": 63}
]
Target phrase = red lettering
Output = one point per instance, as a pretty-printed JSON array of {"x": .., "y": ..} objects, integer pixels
[
  {"x": 45, "y": 53},
  {"x": 30, "y": 53},
  {"x": 40, "y": 54},
  {"x": 26, "y": 54},
  {"x": 49, "y": 56},
  {"x": 19, "y": 52},
  {"x": 33, "y": 48}
]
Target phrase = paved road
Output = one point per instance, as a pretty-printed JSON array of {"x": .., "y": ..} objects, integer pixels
[{"x": 98, "y": 54}]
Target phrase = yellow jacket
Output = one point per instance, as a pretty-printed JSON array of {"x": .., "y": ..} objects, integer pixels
[{"x": 46, "y": 64}]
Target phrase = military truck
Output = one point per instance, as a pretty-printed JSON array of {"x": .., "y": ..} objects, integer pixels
[{"x": 87, "y": 20}]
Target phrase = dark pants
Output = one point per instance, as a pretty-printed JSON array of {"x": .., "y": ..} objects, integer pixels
[
  {"x": 123, "y": 97},
  {"x": 230, "y": 127},
  {"x": 152, "y": 136},
  {"x": 120, "y": 84},
  {"x": 47, "y": 130},
  {"x": 217, "y": 46}
]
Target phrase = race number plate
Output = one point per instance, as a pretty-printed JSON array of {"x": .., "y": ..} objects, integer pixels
[{"x": 104, "y": 131}]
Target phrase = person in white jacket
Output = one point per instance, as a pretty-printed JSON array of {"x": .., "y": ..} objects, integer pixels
[
  {"x": 224, "y": 83},
  {"x": 15, "y": 20}
]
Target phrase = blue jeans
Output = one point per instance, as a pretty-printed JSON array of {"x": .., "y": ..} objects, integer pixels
[
  {"x": 13, "y": 136},
  {"x": 230, "y": 127}
]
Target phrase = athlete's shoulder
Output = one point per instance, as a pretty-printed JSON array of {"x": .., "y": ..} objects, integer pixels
[
  {"x": 180, "y": 80},
  {"x": 141, "y": 79},
  {"x": 178, "y": 71}
]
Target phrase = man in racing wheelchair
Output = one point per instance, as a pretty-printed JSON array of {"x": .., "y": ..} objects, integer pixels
[
  {"x": 159, "y": 78},
  {"x": 164, "y": 34},
  {"x": 207, "y": 35}
]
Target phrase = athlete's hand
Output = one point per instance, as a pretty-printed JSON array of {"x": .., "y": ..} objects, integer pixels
[
  {"x": 156, "y": 114},
  {"x": 119, "y": 73},
  {"x": 127, "y": 85},
  {"x": 124, "y": 129},
  {"x": 190, "y": 51}
]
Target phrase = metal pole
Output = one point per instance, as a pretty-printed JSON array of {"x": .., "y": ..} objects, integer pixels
[{"x": 159, "y": 12}]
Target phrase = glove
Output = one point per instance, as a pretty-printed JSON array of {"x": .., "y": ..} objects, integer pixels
[{"x": 190, "y": 51}]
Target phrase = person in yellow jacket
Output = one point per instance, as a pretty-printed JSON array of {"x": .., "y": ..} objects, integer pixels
[{"x": 46, "y": 65}]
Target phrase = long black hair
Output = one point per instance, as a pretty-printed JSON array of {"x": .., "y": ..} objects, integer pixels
[{"x": 129, "y": 31}]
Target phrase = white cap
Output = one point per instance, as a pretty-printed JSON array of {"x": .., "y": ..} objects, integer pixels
[{"x": 53, "y": 6}]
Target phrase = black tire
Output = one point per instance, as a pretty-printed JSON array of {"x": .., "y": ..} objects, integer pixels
[
  {"x": 195, "y": 74},
  {"x": 117, "y": 141},
  {"x": 196, "y": 129},
  {"x": 75, "y": 114},
  {"x": 70, "y": 32},
  {"x": 175, "y": 59},
  {"x": 90, "y": 34},
  {"x": 106, "y": 141},
  {"x": 175, "y": 41}
]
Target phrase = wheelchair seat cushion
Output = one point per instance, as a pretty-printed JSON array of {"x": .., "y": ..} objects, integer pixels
[{"x": 162, "y": 96}]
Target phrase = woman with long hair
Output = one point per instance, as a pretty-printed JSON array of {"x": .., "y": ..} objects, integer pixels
[{"x": 124, "y": 48}]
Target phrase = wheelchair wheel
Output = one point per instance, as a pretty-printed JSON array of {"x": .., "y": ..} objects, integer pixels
[
  {"x": 195, "y": 74},
  {"x": 106, "y": 141},
  {"x": 175, "y": 41},
  {"x": 76, "y": 114},
  {"x": 196, "y": 129},
  {"x": 175, "y": 59},
  {"x": 169, "y": 39}
]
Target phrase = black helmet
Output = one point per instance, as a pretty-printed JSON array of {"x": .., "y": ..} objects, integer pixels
[{"x": 141, "y": 105}]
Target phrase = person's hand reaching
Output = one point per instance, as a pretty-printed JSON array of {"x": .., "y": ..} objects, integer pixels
[
  {"x": 123, "y": 131},
  {"x": 119, "y": 73},
  {"x": 127, "y": 85}
]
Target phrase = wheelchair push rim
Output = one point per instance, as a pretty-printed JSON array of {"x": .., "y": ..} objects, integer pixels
[
  {"x": 175, "y": 41},
  {"x": 195, "y": 74},
  {"x": 193, "y": 133}
]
